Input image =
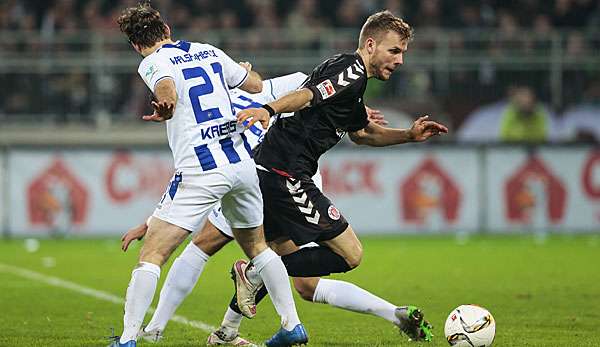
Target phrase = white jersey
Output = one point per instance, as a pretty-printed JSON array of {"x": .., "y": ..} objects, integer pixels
[
  {"x": 203, "y": 133},
  {"x": 273, "y": 89}
]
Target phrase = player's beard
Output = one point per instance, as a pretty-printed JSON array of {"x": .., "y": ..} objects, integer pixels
[{"x": 380, "y": 71}]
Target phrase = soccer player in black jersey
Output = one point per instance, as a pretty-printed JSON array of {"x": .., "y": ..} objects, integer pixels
[{"x": 328, "y": 106}]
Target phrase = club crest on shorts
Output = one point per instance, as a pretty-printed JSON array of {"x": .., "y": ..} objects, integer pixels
[{"x": 333, "y": 212}]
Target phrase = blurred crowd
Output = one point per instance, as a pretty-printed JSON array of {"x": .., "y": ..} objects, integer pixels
[
  {"x": 69, "y": 15},
  {"x": 512, "y": 97}
]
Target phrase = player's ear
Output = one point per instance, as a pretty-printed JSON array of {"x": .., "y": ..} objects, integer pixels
[
  {"x": 370, "y": 45},
  {"x": 168, "y": 30}
]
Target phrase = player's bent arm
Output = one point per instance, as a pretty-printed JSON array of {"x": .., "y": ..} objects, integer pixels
[
  {"x": 253, "y": 83},
  {"x": 292, "y": 102},
  {"x": 166, "y": 96},
  {"x": 377, "y": 136}
]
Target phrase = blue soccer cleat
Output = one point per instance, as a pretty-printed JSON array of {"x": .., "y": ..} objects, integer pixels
[
  {"x": 285, "y": 338},
  {"x": 115, "y": 341}
]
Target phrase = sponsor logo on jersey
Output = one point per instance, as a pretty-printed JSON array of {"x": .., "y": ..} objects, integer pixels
[
  {"x": 152, "y": 70},
  {"x": 326, "y": 89},
  {"x": 333, "y": 212}
]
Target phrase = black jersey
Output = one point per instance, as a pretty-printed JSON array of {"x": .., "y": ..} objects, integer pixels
[{"x": 294, "y": 144}]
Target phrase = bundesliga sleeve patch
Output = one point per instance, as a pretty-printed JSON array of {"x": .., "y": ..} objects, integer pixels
[{"x": 326, "y": 89}]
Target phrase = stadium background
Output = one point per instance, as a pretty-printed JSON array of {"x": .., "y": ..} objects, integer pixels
[
  {"x": 77, "y": 159},
  {"x": 78, "y": 167}
]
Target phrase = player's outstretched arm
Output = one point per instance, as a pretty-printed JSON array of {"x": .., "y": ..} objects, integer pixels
[
  {"x": 292, "y": 102},
  {"x": 166, "y": 98},
  {"x": 378, "y": 136}
]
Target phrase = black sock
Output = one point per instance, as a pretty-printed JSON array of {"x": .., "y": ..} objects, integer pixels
[
  {"x": 314, "y": 262},
  {"x": 262, "y": 292}
]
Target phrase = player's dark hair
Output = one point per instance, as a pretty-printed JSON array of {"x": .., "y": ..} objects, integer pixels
[
  {"x": 378, "y": 24},
  {"x": 143, "y": 25}
]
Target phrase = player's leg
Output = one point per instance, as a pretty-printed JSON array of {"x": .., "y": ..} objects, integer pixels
[
  {"x": 270, "y": 270},
  {"x": 243, "y": 208},
  {"x": 178, "y": 214},
  {"x": 341, "y": 254},
  {"x": 351, "y": 297},
  {"x": 186, "y": 270},
  {"x": 162, "y": 238}
]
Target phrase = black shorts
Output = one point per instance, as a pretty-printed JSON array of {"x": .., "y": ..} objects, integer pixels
[{"x": 298, "y": 210}]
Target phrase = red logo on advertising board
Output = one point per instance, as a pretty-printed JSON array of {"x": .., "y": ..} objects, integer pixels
[
  {"x": 429, "y": 188},
  {"x": 56, "y": 196},
  {"x": 590, "y": 175},
  {"x": 534, "y": 186},
  {"x": 351, "y": 177},
  {"x": 130, "y": 176}
]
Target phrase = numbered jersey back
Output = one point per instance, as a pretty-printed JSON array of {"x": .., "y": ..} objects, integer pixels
[{"x": 203, "y": 131}]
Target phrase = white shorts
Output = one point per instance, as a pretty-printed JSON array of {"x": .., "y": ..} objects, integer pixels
[
  {"x": 191, "y": 196},
  {"x": 217, "y": 218}
]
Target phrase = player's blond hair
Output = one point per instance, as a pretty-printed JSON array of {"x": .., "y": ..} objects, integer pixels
[
  {"x": 378, "y": 24},
  {"x": 143, "y": 25}
]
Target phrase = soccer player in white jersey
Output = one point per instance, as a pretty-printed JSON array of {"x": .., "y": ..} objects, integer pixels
[
  {"x": 216, "y": 233},
  {"x": 212, "y": 159}
]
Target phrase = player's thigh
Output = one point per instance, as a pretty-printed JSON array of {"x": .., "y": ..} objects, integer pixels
[
  {"x": 347, "y": 245},
  {"x": 243, "y": 205},
  {"x": 283, "y": 246},
  {"x": 161, "y": 240}
]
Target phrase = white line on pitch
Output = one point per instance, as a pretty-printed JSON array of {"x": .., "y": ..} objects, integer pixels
[{"x": 98, "y": 294}]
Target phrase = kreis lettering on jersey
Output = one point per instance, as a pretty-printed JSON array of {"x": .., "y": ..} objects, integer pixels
[
  {"x": 218, "y": 130},
  {"x": 188, "y": 57}
]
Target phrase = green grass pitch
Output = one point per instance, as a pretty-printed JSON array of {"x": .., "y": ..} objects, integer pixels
[{"x": 541, "y": 294}]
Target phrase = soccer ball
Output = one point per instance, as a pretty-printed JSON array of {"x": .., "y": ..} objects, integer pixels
[{"x": 470, "y": 326}]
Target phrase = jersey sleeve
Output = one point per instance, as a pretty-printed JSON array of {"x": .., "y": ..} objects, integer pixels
[
  {"x": 153, "y": 69},
  {"x": 337, "y": 83},
  {"x": 235, "y": 75},
  {"x": 283, "y": 85}
]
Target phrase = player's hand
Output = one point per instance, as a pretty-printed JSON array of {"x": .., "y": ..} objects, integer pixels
[
  {"x": 422, "y": 129},
  {"x": 135, "y": 233},
  {"x": 250, "y": 116},
  {"x": 162, "y": 111},
  {"x": 376, "y": 116},
  {"x": 246, "y": 65}
]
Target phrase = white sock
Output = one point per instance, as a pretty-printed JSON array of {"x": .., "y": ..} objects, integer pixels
[
  {"x": 138, "y": 298},
  {"x": 274, "y": 275},
  {"x": 232, "y": 320},
  {"x": 350, "y": 297},
  {"x": 181, "y": 279}
]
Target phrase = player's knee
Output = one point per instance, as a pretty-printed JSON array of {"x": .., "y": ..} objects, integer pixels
[
  {"x": 305, "y": 289},
  {"x": 354, "y": 257},
  {"x": 154, "y": 256}
]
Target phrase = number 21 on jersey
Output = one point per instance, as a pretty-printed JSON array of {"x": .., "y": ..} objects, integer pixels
[{"x": 206, "y": 88}]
